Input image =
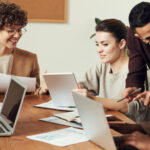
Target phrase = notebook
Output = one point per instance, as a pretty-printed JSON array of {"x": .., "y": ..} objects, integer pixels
[
  {"x": 11, "y": 106},
  {"x": 60, "y": 86},
  {"x": 95, "y": 124}
]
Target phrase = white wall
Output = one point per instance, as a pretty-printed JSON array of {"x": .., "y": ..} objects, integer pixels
[{"x": 66, "y": 47}]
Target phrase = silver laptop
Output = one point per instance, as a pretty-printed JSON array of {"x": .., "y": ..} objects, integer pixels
[
  {"x": 60, "y": 86},
  {"x": 11, "y": 106},
  {"x": 95, "y": 124}
]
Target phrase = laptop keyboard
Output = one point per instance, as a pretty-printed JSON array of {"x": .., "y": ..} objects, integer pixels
[{"x": 1, "y": 130}]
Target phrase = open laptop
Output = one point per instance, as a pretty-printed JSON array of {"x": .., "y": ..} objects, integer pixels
[
  {"x": 95, "y": 124},
  {"x": 60, "y": 86},
  {"x": 11, "y": 106}
]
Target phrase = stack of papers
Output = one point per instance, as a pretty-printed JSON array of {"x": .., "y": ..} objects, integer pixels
[
  {"x": 57, "y": 120},
  {"x": 69, "y": 119},
  {"x": 62, "y": 137},
  {"x": 69, "y": 116}
]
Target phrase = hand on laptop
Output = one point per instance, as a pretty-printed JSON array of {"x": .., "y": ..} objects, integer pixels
[
  {"x": 126, "y": 128},
  {"x": 137, "y": 140},
  {"x": 81, "y": 91},
  {"x": 44, "y": 88}
]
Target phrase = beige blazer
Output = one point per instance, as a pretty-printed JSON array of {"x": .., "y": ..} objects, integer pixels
[{"x": 26, "y": 64}]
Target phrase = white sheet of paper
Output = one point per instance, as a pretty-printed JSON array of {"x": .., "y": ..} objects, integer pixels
[
  {"x": 61, "y": 121},
  {"x": 62, "y": 137},
  {"x": 50, "y": 105},
  {"x": 5, "y": 79}
]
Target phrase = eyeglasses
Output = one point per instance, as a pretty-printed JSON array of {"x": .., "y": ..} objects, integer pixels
[{"x": 14, "y": 31}]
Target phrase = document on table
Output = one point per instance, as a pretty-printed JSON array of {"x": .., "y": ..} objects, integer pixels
[
  {"x": 72, "y": 116},
  {"x": 57, "y": 120},
  {"x": 50, "y": 105},
  {"x": 62, "y": 137},
  {"x": 5, "y": 79},
  {"x": 69, "y": 116},
  {"x": 71, "y": 119}
]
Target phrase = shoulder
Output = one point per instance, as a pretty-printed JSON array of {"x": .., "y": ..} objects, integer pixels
[
  {"x": 23, "y": 53},
  {"x": 130, "y": 37},
  {"x": 125, "y": 70},
  {"x": 98, "y": 67},
  {"x": 130, "y": 32},
  {"x": 132, "y": 41}
]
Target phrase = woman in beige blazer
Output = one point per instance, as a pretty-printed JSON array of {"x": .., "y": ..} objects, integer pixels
[{"x": 15, "y": 61}]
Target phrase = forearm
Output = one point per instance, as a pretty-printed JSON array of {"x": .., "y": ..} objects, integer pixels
[{"x": 112, "y": 104}]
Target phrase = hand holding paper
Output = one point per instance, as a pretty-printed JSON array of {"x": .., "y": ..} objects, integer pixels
[{"x": 5, "y": 79}]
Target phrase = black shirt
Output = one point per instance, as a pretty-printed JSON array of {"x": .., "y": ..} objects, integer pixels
[{"x": 139, "y": 57}]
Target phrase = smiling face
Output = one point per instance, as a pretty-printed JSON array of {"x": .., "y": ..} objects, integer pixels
[
  {"x": 107, "y": 47},
  {"x": 143, "y": 33},
  {"x": 9, "y": 36}
]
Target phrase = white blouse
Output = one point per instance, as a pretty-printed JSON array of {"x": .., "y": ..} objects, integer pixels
[{"x": 6, "y": 64}]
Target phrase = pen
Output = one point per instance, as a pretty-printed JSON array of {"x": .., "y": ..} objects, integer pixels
[
  {"x": 68, "y": 106},
  {"x": 71, "y": 106},
  {"x": 132, "y": 93}
]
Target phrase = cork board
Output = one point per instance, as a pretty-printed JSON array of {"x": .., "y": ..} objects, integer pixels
[{"x": 44, "y": 10}]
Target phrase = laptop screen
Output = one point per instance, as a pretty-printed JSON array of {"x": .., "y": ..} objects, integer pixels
[{"x": 12, "y": 101}]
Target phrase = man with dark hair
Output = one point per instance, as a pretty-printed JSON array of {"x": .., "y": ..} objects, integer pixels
[{"x": 138, "y": 41}]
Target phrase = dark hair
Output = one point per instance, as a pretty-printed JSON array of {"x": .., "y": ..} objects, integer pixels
[
  {"x": 114, "y": 26},
  {"x": 12, "y": 14},
  {"x": 140, "y": 15}
]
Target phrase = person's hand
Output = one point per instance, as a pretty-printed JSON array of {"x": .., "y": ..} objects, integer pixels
[
  {"x": 44, "y": 88},
  {"x": 144, "y": 97},
  {"x": 125, "y": 93},
  {"x": 138, "y": 140},
  {"x": 81, "y": 91}
]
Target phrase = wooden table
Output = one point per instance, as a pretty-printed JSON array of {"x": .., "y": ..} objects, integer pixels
[{"x": 29, "y": 124}]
